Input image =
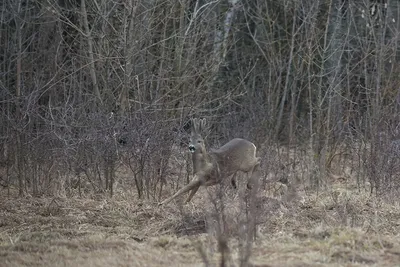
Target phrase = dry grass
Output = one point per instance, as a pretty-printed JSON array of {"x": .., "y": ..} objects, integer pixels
[{"x": 336, "y": 227}]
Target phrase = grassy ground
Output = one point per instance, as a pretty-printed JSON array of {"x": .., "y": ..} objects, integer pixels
[{"x": 336, "y": 227}]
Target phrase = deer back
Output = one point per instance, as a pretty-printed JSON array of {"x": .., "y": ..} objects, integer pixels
[{"x": 236, "y": 155}]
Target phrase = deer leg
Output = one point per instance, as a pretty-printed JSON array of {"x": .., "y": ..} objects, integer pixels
[
  {"x": 194, "y": 190},
  {"x": 195, "y": 184},
  {"x": 249, "y": 180},
  {"x": 254, "y": 174},
  {"x": 205, "y": 183},
  {"x": 233, "y": 180}
]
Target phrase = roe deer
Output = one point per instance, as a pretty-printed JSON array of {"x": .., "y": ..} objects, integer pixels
[{"x": 214, "y": 167}]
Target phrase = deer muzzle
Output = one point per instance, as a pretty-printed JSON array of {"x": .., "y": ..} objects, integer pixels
[{"x": 192, "y": 148}]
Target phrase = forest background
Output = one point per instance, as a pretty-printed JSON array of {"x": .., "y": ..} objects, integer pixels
[
  {"x": 96, "y": 98},
  {"x": 86, "y": 84}
]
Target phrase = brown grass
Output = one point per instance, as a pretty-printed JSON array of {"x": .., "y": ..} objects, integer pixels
[{"x": 340, "y": 226}]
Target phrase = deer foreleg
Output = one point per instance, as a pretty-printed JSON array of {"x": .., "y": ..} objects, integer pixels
[
  {"x": 194, "y": 190},
  {"x": 193, "y": 185}
]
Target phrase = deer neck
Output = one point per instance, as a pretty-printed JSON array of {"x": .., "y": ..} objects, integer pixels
[{"x": 201, "y": 161}]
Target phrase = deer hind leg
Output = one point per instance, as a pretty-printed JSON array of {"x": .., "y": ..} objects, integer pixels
[
  {"x": 193, "y": 185},
  {"x": 254, "y": 175},
  {"x": 233, "y": 181},
  {"x": 249, "y": 182}
]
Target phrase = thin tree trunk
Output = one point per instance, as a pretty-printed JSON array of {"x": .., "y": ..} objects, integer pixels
[
  {"x": 92, "y": 66},
  {"x": 18, "y": 153},
  {"x": 286, "y": 88},
  {"x": 131, "y": 8}
]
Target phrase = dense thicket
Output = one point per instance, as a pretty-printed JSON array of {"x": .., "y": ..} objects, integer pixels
[{"x": 87, "y": 84}]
